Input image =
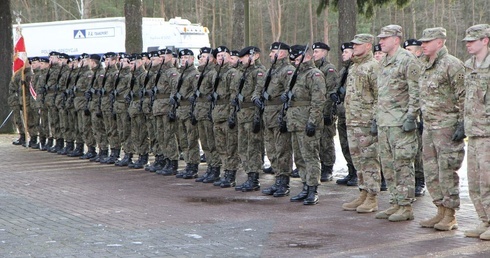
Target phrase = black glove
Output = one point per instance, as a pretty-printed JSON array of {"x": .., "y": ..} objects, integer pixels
[
  {"x": 459, "y": 133},
  {"x": 172, "y": 116},
  {"x": 98, "y": 114},
  {"x": 374, "y": 128},
  {"x": 284, "y": 97},
  {"x": 173, "y": 101},
  {"x": 327, "y": 120},
  {"x": 258, "y": 103},
  {"x": 210, "y": 97},
  {"x": 88, "y": 95},
  {"x": 310, "y": 129},
  {"x": 141, "y": 93},
  {"x": 234, "y": 102},
  {"x": 192, "y": 98},
  {"x": 335, "y": 98},
  {"x": 256, "y": 124},
  {"x": 86, "y": 112},
  {"x": 42, "y": 90},
  {"x": 410, "y": 124},
  {"x": 231, "y": 122},
  {"x": 128, "y": 98}
]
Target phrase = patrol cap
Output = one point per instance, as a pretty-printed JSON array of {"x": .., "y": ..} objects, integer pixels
[
  {"x": 296, "y": 51},
  {"x": 186, "y": 52},
  {"x": 54, "y": 53},
  {"x": 346, "y": 45},
  {"x": 433, "y": 33},
  {"x": 145, "y": 54},
  {"x": 123, "y": 55},
  {"x": 220, "y": 49},
  {"x": 477, "y": 32},
  {"x": 95, "y": 57},
  {"x": 376, "y": 48},
  {"x": 279, "y": 45},
  {"x": 391, "y": 31},
  {"x": 43, "y": 60},
  {"x": 320, "y": 45},
  {"x": 411, "y": 42},
  {"x": 134, "y": 57},
  {"x": 164, "y": 51},
  {"x": 84, "y": 55},
  {"x": 362, "y": 39},
  {"x": 248, "y": 51},
  {"x": 110, "y": 55},
  {"x": 205, "y": 50}
]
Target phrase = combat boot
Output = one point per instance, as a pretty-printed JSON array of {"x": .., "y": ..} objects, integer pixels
[
  {"x": 191, "y": 172},
  {"x": 70, "y": 146},
  {"x": 485, "y": 235},
  {"x": 48, "y": 145},
  {"x": 42, "y": 143},
  {"x": 114, "y": 156},
  {"x": 273, "y": 188},
  {"x": 448, "y": 222},
  {"x": 252, "y": 183},
  {"x": 206, "y": 174},
  {"x": 405, "y": 212},
  {"x": 429, "y": 223},
  {"x": 283, "y": 189},
  {"x": 229, "y": 179},
  {"x": 56, "y": 147},
  {"x": 213, "y": 176},
  {"x": 110, "y": 156},
  {"x": 326, "y": 173},
  {"x": 91, "y": 153},
  {"x": 387, "y": 213},
  {"x": 383, "y": 186},
  {"x": 352, "y": 173},
  {"x": 302, "y": 195},
  {"x": 77, "y": 152},
  {"x": 33, "y": 143},
  {"x": 181, "y": 173},
  {"x": 352, "y": 206},
  {"x": 476, "y": 232},
  {"x": 124, "y": 162},
  {"x": 295, "y": 173},
  {"x": 159, "y": 164},
  {"x": 142, "y": 161},
  {"x": 369, "y": 205},
  {"x": 21, "y": 140},
  {"x": 102, "y": 155},
  {"x": 171, "y": 168},
  {"x": 353, "y": 180},
  {"x": 218, "y": 183},
  {"x": 419, "y": 187},
  {"x": 312, "y": 197}
]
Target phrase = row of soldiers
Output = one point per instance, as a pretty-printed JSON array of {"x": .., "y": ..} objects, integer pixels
[{"x": 230, "y": 106}]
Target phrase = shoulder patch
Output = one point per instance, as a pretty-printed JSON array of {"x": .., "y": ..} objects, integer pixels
[
  {"x": 173, "y": 74},
  {"x": 197, "y": 75},
  {"x": 260, "y": 74},
  {"x": 331, "y": 70},
  {"x": 317, "y": 74},
  {"x": 290, "y": 72}
]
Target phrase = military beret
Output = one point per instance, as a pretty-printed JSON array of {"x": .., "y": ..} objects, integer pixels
[
  {"x": 433, "y": 33},
  {"x": 248, "y": 51},
  {"x": 29, "y": 59},
  {"x": 186, "y": 52},
  {"x": 154, "y": 54},
  {"x": 71, "y": 58},
  {"x": 320, "y": 45},
  {"x": 362, "y": 39},
  {"x": 411, "y": 42},
  {"x": 296, "y": 51},
  {"x": 376, "y": 48},
  {"x": 234, "y": 53},
  {"x": 477, "y": 32},
  {"x": 54, "y": 53},
  {"x": 346, "y": 45},
  {"x": 33, "y": 59},
  {"x": 175, "y": 55},
  {"x": 145, "y": 54},
  {"x": 165, "y": 51},
  {"x": 123, "y": 55},
  {"x": 43, "y": 60},
  {"x": 220, "y": 49},
  {"x": 205, "y": 50},
  {"x": 134, "y": 57},
  {"x": 110, "y": 55},
  {"x": 391, "y": 31},
  {"x": 95, "y": 57},
  {"x": 63, "y": 56},
  {"x": 279, "y": 45},
  {"x": 84, "y": 55}
]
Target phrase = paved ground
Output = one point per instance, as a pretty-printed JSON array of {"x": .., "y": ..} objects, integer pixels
[{"x": 55, "y": 206}]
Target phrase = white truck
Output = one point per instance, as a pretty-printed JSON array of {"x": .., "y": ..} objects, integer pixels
[{"x": 98, "y": 36}]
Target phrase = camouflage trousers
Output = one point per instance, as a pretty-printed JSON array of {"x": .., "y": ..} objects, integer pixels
[
  {"x": 250, "y": 147},
  {"x": 208, "y": 144},
  {"x": 397, "y": 150},
  {"x": 363, "y": 149},
  {"x": 78, "y": 130},
  {"x": 111, "y": 129},
  {"x": 17, "y": 118},
  {"x": 227, "y": 145},
  {"x": 43, "y": 122},
  {"x": 69, "y": 133},
  {"x": 478, "y": 176},
  {"x": 139, "y": 134},
  {"x": 33, "y": 120},
  {"x": 159, "y": 133},
  {"x": 307, "y": 157},
  {"x": 189, "y": 144},
  {"x": 123, "y": 122},
  {"x": 279, "y": 150},
  {"x": 63, "y": 125},
  {"x": 151, "y": 129},
  {"x": 442, "y": 159},
  {"x": 99, "y": 131},
  {"x": 342, "y": 129},
  {"x": 419, "y": 164},
  {"x": 85, "y": 124},
  {"x": 54, "y": 122},
  {"x": 170, "y": 144},
  {"x": 327, "y": 146}
]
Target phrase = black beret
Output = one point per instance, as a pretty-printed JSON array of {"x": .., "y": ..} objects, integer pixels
[
  {"x": 95, "y": 57},
  {"x": 64, "y": 56},
  {"x": 411, "y": 42},
  {"x": 205, "y": 50},
  {"x": 248, "y": 51},
  {"x": 154, "y": 54},
  {"x": 220, "y": 49},
  {"x": 165, "y": 51},
  {"x": 145, "y": 54},
  {"x": 175, "y": 55},
  {"x": 110, "y": 54},
  {"x": 186, "y": 52},
  {"x": 43, "y": 60},
  {"x": 134, "y": 57},
  {"x": 320, "y": 45},
  {"x": 346, "y": 45},
  {"x": 123, "y": 55},
  {"x": 54, "y": 53},
  {"x": 297, "y": 50},
  {"x": 29, "y": 59},
  {"x": 279, "y": 45},
  {"x": 376, "y": 48},
  {"x": 33, "y": 59},
  {"x": 234, "y": 53},
  {"x": 71, "y": 58},
  {"x": 84, "y": 55}
]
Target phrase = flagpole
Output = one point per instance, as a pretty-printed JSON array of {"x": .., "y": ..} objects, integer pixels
[{"x": 22, "y": 85}]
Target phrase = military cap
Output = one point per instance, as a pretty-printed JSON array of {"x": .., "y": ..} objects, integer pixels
[
  {"x": 29, "y": 59},
  {"x": 95, "y": 57},
  {"x": 134, "y": 57},
  {"x": 186, "y": 52},
  {"x": 145, "y": 54},
  {"x": 346, "y": 45},
  {"x": 477, "y": 32},
  {"x": 248, "y": 51},
  {"x": 84, "y": 55},
  {"x": 165, "y": 51},
  {"x": 411, "y": 42},
  {"x": 362, "y": 39},
  {"x": 175, "y": 55},
  {"x": 43, "y": 60},
  {"x": 123, "y": 55},
  {"x": 433, "y": 33},
  {"x": 63, "y": 56},
  {"x": 376, "y": 48},
  {"x": 54, "y": 53},
  {"x": 320, "y": 45},
  {"x": 205, "y": 50},
  {"x": 154, "y": 54},
  {"x": 391, "y": 31},
  {"x": 296, "y": 51},
  {"x": 110, "y": 54},
  {"x": 71, "y": 58},
  {"x": 279, "y": 45},
  {"x": 220, "y": 49},
  {"x": 33, "y": 59},
  {"x": 234, "y": 53}
]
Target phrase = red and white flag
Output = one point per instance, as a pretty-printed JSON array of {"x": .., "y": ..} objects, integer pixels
[{"x": 19, "y": 52}]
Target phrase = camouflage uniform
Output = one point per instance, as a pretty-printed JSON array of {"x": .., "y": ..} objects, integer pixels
[
  {"x": 109, "y": 122},
  {"x": 98, "y": 127},
  {"x": 120, "y": 107},
  {"x": 15, "y": 102},
  {"x": 51, "y": 92},
  {"x": 43, "y": 111},
  {"x": 139, "y": 133},
  {"x": 60, "y": 102},
  {"x": 81, "y": 105}
]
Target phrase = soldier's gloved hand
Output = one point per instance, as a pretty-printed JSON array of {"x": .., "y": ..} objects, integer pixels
[
  {"x": 141, "y": 93},
  {"x": 173, "y": 101},
  {"x": 335, "y": 98},
  {"x": 88, "y": 95},
  {"x": 231, "y": 122},
  {"x": 374, "y": 128},
  {"x": 327, "y": 120},
  {"x": 410, "y": 124},
  {"x": 310, "y": 129},
  {"x": 86, "y": 112},
  {"x": 42, "y": 90},
  {"x": 128, "y": 98},
  {"x": 192, "y": 98},
  {"x": 258, "y": 103},
  {"x": 459, "y": 133},
  {"x": 210, "y": 97},
  {"x": 234, "y": 102},
  {"x": 284, "y": 97}
]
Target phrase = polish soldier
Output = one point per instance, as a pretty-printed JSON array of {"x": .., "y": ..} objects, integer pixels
[
  {"x": 60, "y": 100},
  {"x": 51, "y": 92},
  {"x": 378, "y": 54},
  {"x": 72, "y": 109},
  {"x": 43, "y": 111}
]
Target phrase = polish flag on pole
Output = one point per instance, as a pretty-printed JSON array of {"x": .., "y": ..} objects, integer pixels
[{"x": 19, "y": 52}]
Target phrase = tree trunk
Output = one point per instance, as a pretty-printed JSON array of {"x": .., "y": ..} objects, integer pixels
[
  {"x": 347, "y": 22},
  {"x": 238, "y": 37},
  {"x": 134, "y": 38},
  {"x": 6, "y": 48},
  {"x": 310, "y": 10}
]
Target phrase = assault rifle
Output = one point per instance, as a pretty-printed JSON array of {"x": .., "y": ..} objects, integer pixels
[
  {"x": 197, "y": 93},
  {"x": 129, "y": 97},
  {"x": 143, "y": 89},
  {"x": 57, "y": 86},
  {"x": 214, "y": 94},
  {"x": 114, "y": 92},
  {"x": 71, "y": 92},
  {"x": 265, "y": 95},
  {"x": 155, "y": 87},
  {"x": 101, "y": 93},
  {"x": 239, "y": 97},
  {"x": 44, "y": 89},
  {"x": 89, "y": 95},
  {"x": 172, "y": 116},
  {"x": 65, "y": 93}
]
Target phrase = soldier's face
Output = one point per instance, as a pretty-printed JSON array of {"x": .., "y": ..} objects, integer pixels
[
  {"x": 187, "y": 59},
  {"x": 389, "y": 44},
  {"x": 319, "y": 54},
  {"x": 156, "y": 60},
  {"x": 416, "y": 50},
  {"x": 347, "y": 54},
  {"x": 378, "y": 55},
  {"x": 430, "y": 48},
  {"x": 222, "y": 58},
  {"x": 477, "y": 46},
  {"x": 361, "y": 49},
  {"x": 234, "y": 60}
]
